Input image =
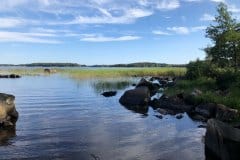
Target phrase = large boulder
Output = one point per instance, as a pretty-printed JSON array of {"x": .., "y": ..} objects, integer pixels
[
  {"x": 139, "y": 96},
  {"x": 222, "y": 140},
  {"x": 8, "y": 112}
]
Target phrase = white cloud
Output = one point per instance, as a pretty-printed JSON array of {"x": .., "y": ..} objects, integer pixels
[
  {"x": 233, "y": 8},
  {"x": 6, "y": 36},
  {"x": 179, "y": 30},
  {"x": 159, "y": 32},
  {"x": 207, "y": 17},
  {"x": 218, "y": 1},
  {"x": 168, "y": 4},
  {"x": 129, "y": 16},
  {"x": 192, "y": 0},
  {"x": 100, "y": 38},
  {"x": 10, "y": 22},
  {"x": 197, "y": 28},
  {"x": 185, "y": 30}
]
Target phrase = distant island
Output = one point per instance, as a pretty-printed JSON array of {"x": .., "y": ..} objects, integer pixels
[{"x": 138, "y": 64}]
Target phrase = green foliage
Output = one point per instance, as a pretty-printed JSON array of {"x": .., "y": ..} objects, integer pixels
[
  {"x": 226, "y": 79},
  {"x": 199, "y": 69},
  {"x": 225, "y": 35}
]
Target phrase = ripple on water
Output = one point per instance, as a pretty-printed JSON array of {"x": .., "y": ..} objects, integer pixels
[{"x": 61, "y": 118}]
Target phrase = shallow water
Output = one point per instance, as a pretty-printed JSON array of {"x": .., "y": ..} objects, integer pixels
[{"x": 62, "y": 118}]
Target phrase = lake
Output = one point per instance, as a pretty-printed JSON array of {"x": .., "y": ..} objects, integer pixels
[{"x": 64, "y": 118}]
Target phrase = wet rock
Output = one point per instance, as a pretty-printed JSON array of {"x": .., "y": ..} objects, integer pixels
[
  {"x": 143, "y": 109},
  {"x": 159, "y": 116},
  {"x": 173, "y": 104},
  {"x": 162, "y": 111},
  {"x": 109, "y": 93},
  {"x": 10, "y": 76},
  {"x": 197, "y": 117},
  {"x": 226, "y": 114},
  {"x": 202, "y": 126},
  {"x": 179, "y": 116},
  {"x": 6, "y": 135},
  {"x": 139, "y": 96},
  {"x": 8, "y": 112},
  {"x": 222, "y": 140},
  {"x": 153, "y": 87},
  {"x": 217, "y": 111},
  {"x": 206, "y": 110}
]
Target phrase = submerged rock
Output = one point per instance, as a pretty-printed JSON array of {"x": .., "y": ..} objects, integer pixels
[
  {"x": 179, "y": 116},
  {"x": 222, "y": 140},
  {"x": 8, "y": 112},
  {"x": 10, "y": 76},
  {"x": 109, "y": 93}
]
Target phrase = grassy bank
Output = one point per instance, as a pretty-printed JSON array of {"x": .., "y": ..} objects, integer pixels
[
  {"x": 210, "y": 92},
  {"x": 101, "y": 72}
]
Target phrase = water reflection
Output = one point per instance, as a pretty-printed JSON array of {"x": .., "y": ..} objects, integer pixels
[
  {"x": 62, "y": 119},
  {"x": 6, "y": 135}
]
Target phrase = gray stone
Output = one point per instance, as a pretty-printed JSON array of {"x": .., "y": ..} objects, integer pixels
[{"x": 222, "y": 140}]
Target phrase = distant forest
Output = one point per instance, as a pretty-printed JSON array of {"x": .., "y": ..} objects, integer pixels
[{"x": 140, "y": 64}]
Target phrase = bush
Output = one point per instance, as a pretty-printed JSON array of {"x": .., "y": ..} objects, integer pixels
[
  {"x": 199, "y": 69},
  {"x": 226, "y": 79}
]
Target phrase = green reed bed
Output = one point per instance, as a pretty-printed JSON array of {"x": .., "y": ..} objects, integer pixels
[
  {"x": 23, "y": 71},
  {"x": 123, "y": 72}
]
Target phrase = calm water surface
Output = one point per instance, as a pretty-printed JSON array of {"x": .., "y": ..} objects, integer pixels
[{"x": 62, "y": 118}]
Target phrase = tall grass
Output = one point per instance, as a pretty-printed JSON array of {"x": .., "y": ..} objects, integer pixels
[{"x": 123, "y": 72}]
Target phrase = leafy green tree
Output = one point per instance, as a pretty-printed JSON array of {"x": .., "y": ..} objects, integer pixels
[{"x": 225, "y": 35}]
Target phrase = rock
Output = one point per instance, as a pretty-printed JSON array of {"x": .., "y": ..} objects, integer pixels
[
  {"x": 8, "y": 112},
  {"x": 226, "y": 114},
  {"x": 139, "y": 96},
  {"x": 222, "y": 140},
  {"x": 202, "y": 126},
  {"x": 179, "y": 116},
  {"x": 14, "y": 76},
  {"x": 206, "y": 110},
  {"x": 153, "y": 87},
  {"x": 197, "y": 117},
  {"x": 162, "y": 111},
  {"x": 172, "y": 104},
  {"x": 47, "y": 70},
  {"x": 10, "y": 76},
  {"x": 159, "y": 116},
  {"x": 109, "y": 93},
  {"x": 6, "y": 135},
  {"x": 196, "y": 92}
]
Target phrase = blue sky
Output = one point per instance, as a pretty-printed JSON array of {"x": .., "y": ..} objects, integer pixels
[{"x": 106, "y": 31}]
